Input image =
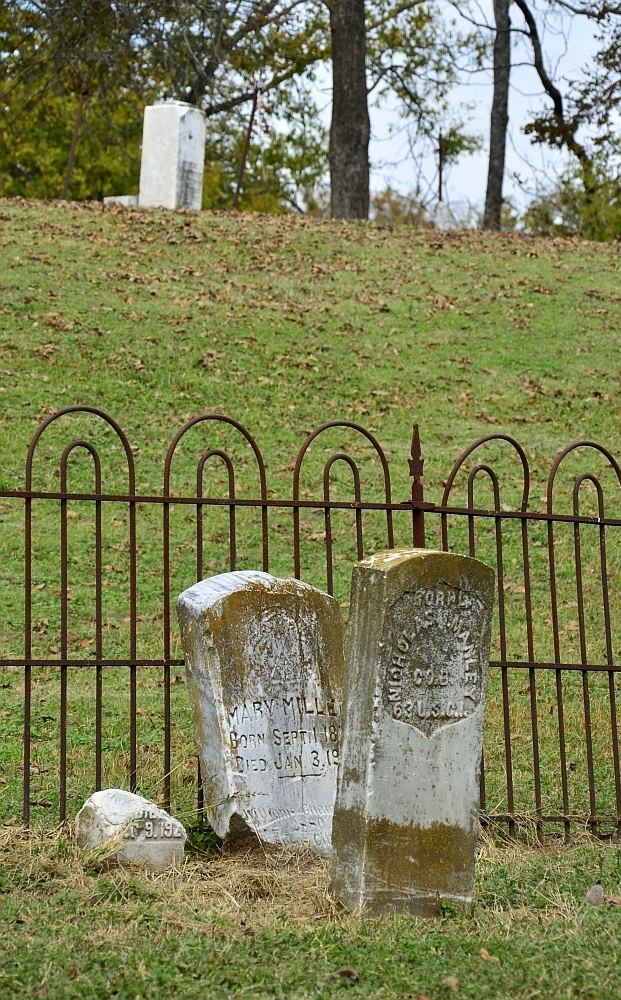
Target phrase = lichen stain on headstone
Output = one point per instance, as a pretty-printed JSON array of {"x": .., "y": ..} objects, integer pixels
[
  {"x": 265, "y": 670},
  {"x": 399, "y": 856}
]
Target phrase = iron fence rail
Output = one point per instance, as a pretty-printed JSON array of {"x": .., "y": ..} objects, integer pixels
[
  {"x": 254, "y": 503},
  {"x": 445, "y": 516}
]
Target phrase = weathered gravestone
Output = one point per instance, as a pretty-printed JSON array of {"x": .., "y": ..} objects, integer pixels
[
  {"x": 131, "y": 828},
  {"x": 265, "y": 675},
  {"x": 173, "y": 155},
  {"x": 406, "y": 815}
]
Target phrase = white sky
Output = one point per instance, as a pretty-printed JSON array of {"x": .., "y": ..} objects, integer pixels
[{"x": 392, "y": 163}]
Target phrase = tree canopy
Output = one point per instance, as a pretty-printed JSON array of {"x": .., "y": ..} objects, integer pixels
[{"x": 78, "y": 73}]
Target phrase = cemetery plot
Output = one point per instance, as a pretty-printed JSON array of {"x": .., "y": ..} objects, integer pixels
[{"x": 94, "y": 688}]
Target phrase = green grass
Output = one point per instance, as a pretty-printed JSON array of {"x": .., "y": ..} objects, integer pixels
[
  {"x": 284, "y": 323},
  {"x": 263, "y": 926}
]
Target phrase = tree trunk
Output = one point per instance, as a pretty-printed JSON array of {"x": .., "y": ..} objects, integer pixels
[
  {"x": 499, "y": 117},
  {"x": 75, "y": 135},
  {"x": 350, "y": 127},
  {"x": 246, "y": 149}
]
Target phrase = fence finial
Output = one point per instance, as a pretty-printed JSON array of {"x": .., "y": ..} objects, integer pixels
[
  {"x": 416, "y": 465},
  {"x": 416, "y": 471}
]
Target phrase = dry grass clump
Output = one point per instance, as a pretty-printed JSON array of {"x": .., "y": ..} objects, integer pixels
[
  {"x": 261, "y": 886},
  {"x": 245, "y": 891},
  {"x": 253, "y": 888}
]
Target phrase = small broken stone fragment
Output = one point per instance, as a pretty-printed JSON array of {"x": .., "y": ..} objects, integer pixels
[{"x": 131, "y": 827}]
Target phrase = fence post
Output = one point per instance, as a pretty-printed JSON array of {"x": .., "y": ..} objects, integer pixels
[{"x": 416, "y": 471}]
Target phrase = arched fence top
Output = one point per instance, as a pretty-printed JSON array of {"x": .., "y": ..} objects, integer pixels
[
  {"x": 588, "y": 477},
  {"x": 341, "y": 456},
  {"x": 228, "y": 465},
  {"x": 64, "y": 462},
  {"x": 350, "y": 425},
  {"x": 100, "y": 414},
  {"x": 477, "y": 444},
  {"x": 560, "y": 458},
  {"x": 218, "y": 418},
  {"x": 491, "y": 473}
]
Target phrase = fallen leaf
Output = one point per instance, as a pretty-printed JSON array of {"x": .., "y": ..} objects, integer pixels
[
  {"x": 484, "y": 953},
  {"x": 443, "y": 303},
  {"x": 349, "y": 974},
  {"x": 595, "y": 895},
  {"x": 451, "y": 983}
]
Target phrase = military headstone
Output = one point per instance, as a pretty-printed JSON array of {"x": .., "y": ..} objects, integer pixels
[
  {"x": 265, "y": 668},
  {"x": 406, "y": 815},
  {"x": 173, "y": 155}
]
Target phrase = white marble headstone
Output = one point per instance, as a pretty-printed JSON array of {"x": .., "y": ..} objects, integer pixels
[
  {"x": 406, "y": 816},
  {"x": 264, "y": 661},
  {"x": 173, "y": 155}
]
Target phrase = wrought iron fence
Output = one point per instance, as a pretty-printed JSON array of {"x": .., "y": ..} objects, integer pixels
[{"x": 551, "y": 754}]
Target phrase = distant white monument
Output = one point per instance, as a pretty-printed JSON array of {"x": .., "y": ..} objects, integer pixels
[
  {"x": 173, "y": 154},
  {"x": 442, "y": 217}
]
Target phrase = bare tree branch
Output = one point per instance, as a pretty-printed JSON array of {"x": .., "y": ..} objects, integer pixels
[
  {"x": 567, "y": 131},
  {"x": 595, "y": 12}
]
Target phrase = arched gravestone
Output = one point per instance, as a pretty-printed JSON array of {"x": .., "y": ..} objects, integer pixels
[
  {"x": 406, "y": 816},
  {"x": 265, "y": 669}
]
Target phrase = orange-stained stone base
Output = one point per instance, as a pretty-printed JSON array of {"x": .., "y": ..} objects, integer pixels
[{"x": 405, "y": 868}]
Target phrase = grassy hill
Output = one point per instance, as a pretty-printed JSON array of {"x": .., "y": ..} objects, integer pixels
[{"x": 284, "y": 323}]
